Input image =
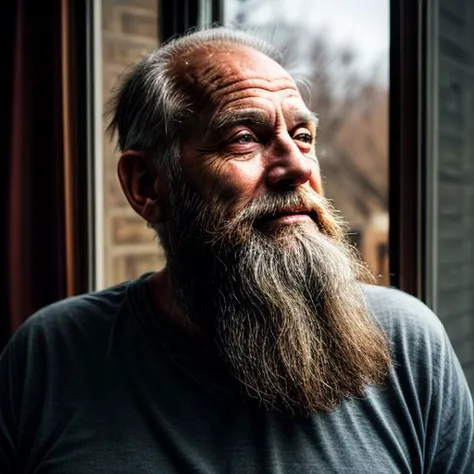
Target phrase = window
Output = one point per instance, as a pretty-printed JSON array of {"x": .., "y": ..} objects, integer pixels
[
  {"x": 341, "y": 49},
  {"x": 126, "y": 248}
]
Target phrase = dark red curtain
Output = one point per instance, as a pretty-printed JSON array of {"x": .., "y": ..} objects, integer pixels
[{"x": 36, "y": 236}]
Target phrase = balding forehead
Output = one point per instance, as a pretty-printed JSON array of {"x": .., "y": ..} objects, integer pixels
[
  {"x": 209, "y": 50},
  {"x": 210, "y": 66}
]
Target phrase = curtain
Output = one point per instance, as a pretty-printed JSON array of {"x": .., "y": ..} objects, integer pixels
[{"x": 37, "y": 186}]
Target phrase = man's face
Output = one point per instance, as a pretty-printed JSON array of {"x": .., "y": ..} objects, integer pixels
[
  {"x": 256, "y": 254},
  {"x": 256, "y": 136}
]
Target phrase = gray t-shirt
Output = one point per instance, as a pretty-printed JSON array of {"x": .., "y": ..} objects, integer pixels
[{"x": 96, "y": 384}]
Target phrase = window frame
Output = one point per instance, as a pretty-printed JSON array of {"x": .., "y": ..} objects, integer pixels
[{"x": 408, "y": 146}]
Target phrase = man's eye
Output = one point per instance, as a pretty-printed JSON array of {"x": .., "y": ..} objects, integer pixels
[
  {"x": 244, "y": 138},
  {"x": 304, "y": 137}
]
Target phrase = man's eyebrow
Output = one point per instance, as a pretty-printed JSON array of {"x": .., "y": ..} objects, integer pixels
[
  {"x": 256, "y": 117},
  {"x": 306, "y": 117},
  {"x": 232, "y": 118}
]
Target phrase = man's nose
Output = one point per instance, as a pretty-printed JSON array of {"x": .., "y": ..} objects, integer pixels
[{"x": 288, "y": 166}]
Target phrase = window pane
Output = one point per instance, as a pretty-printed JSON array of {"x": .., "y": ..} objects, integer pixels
[
  {"x": 127, "y": 248},
  {"x": 452, "y": 278},
  {"x": 340, "y": 48}
]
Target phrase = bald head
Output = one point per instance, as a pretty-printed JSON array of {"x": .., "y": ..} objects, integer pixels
[{"x": 220, "y": 65}]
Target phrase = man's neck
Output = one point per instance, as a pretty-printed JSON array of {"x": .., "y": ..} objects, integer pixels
[{"x": 167, "y": 307}]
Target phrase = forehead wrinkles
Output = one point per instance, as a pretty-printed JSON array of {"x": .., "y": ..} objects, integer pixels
[
  {"x": 249, "y": 86},
  {"x": 215, "y": 79},
  {"x": 223, "y": 67},
  {"x": 265, "y": 103},
  {"x": 211, "y": 98}
]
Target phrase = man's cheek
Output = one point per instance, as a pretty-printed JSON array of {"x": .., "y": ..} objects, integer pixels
[{"x": 242, "y": 177}]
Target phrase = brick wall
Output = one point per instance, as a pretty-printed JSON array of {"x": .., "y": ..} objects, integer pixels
[{"x": 130, "y": 248}]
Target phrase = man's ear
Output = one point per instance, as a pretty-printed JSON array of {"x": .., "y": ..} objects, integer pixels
[{"x": 141, "y": 185}]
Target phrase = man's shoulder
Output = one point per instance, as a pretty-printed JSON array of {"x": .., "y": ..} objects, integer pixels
[
  {"x": 426, "y": 378},
  {"x": 405, "y": 318},
  {"x": 84, "y": 314},
  {"x": 419, "y": 343}
]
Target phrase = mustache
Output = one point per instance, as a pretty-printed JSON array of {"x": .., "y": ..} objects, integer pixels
[
  {"x": 297, "y": 201},
  {"x": 292, "y": 202}
]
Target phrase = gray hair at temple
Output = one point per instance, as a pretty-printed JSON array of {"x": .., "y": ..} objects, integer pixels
[{"x": 148, "y": 108}]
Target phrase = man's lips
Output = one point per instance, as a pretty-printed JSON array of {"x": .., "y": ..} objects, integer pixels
[{"x": 287, "y": 217}]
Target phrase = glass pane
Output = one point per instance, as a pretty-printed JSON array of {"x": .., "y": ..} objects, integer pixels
[
  {"x": 127, "y": 248},
  {"x": 341, "y": 49},
  {"x": 453, "y": 162}
]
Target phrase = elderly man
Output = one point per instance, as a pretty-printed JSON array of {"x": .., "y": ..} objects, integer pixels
[{"x": 262, "y": 347}]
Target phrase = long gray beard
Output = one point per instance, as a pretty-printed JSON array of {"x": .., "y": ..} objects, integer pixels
[{"x": 285, "y": 308}]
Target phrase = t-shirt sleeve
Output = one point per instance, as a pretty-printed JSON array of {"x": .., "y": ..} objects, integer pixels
[
  {"x": 21, "y": 393},
  {"x": 58, "y": 339},
  {"x": 432, "y": 381}
]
